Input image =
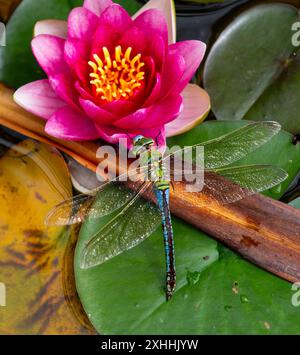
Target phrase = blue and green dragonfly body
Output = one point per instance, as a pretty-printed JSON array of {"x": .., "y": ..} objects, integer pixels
[
  {"x": 127, "y": 203},
  {"x": 142, "y": 147}
]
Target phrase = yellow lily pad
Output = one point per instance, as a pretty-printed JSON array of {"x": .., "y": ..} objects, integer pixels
[{"x": 36, "y": 262}]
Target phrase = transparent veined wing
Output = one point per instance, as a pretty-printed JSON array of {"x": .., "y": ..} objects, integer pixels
[
  {"x": 231, "y": 147},
  {"x": 136, "y": 222},
  {"x": 100, "y": 202},
  {"x": 228, "y": 185}
]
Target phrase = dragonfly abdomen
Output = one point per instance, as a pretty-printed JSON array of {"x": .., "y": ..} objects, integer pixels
[
  {"x": 163, "y": 198},
  {"x": 162, "y": 185}
]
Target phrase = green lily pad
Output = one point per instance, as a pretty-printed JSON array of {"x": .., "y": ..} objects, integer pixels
[
  {"x": 296, "y": 203},
  {"x": 280, "y": 151},
  {"x": 218, "y": 292},
  {"x": 126, "y": 295},
  {"x": 17, "y": 63},
  {"x": 253, "y": 70}
]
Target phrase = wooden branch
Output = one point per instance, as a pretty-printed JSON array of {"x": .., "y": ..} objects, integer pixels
[
  {"x": 7, "y": 7},
  {"x": 262, "y": 230}
]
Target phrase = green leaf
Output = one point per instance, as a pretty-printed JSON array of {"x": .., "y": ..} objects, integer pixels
[
  {"x": 296, "y": 203},
  {"x": 218, "y": 292},
  {"x": 132, "y": 6},
  {"x": 17, "y": 63},
  {"x": 253, "y": 69},
  {"x": 126, "y": 295},
  {"x": 280, "y": 151}
]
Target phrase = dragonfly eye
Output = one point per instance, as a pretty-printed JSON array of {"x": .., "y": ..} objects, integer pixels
[{"x": 137, "y": 139}]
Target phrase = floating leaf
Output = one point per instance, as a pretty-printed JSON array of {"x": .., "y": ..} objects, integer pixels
[
  {"x": 253, "y": 70},
  {"x": 217, "y": 293},
  {"x": 296, "y": 203},
  {"x": 126, "y": 294},
  {"x": 36, "y": 263}
]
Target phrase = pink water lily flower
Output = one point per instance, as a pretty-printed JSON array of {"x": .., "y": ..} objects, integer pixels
[{"x": 111, "y": 76}]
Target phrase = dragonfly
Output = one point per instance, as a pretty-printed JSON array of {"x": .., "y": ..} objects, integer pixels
[{"x": 128, "y": 202}]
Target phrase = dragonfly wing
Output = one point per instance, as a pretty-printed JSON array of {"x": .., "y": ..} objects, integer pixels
[
  {"x": 254, "y": 178},
  {"x": 70, "y": 211},
  {"x": 102, "y": 201},
  {"x": 235, "y": 145},
  {"x": 136, "y": 222},
  {"x": 232, "y": 184},
  {"x": 231, "y": 147}
]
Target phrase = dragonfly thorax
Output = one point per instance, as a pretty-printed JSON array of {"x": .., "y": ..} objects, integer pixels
[{"x": 141, "y": 144}]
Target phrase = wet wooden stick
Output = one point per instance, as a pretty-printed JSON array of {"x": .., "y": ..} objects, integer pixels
[{"x": 262, "y": 230}]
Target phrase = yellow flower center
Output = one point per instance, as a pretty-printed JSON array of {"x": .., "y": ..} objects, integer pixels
[{"x": 116, "y": 77}]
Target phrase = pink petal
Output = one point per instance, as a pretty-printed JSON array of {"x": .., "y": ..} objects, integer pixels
[
  {"x": 157, "y": 50},
  {"x": 76, "y": 55},
  {"x": 75, "y": 50},
  {"x": 97, "y": 6},
  {"x": 153, "y": 22},
  {"x": 155, "y": 116},
  {"x": 135, "y": 38},
  {"x": 196, "y": 106},
  {"x": 113, "y": 135},
  {"x": 174, "y": 69},
  {"x": 120, "y": 108},
  {"x": 49, "y": 52},
  {"x": 83, "y": 91},
  {"x": 96, "y": 113},
  {"x": 150, "y": 72},
  {"x": 56, "y": 28},
  {"x": 193, "y": 53},
  {"x": 38, "y": 98},
  {"x": 82, "y": 23},
  {"x": 71, "y": 125},
  {"x": 158, "y": 135},
  {"x": 64, "y": 88},
  {"x": 105, "y": 36},
  {"x": 168, "y": 8},
  {"x": 116, "y": 17},
  {"x": 156, "y": 91}
]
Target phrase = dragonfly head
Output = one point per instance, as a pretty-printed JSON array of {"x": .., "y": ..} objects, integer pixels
[{"x": 141, "y": 144}]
